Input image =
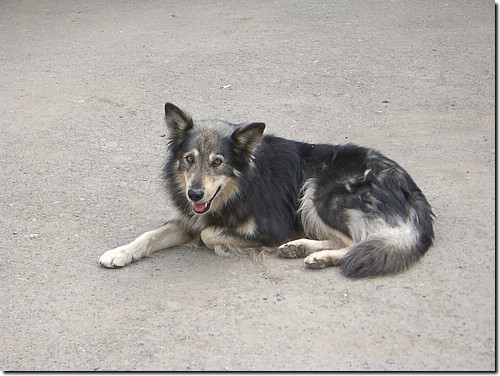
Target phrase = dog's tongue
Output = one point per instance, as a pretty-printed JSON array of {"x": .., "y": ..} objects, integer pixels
[{"x": 200, "y": 208}]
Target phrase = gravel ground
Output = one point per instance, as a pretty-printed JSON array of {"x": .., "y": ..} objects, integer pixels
[{"x": 83, "y": 88}]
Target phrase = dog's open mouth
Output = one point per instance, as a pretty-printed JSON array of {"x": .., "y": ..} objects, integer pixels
[{"x": 205, "y": 206}]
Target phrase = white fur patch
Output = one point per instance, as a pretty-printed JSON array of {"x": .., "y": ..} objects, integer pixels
[
  {"x": 169, "y": 235},
  {"x": 403, "y": 236},
  {"x": 314, "y": 227}
]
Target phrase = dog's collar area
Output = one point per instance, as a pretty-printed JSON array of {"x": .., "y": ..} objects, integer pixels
[{"x": 204, "y": 207}]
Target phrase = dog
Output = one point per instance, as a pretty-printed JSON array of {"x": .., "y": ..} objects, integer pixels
[{"x": 237, "y": 190}]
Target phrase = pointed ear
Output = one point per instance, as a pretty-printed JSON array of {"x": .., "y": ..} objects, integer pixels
[
  {"x": 247, "y": 137},
  {"x": 177, "y": 121}
]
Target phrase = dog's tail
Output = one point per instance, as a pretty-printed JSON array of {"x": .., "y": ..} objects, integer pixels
[{"x": 391, "y": 249}]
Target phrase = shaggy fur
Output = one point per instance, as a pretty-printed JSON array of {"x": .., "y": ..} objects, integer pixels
[{"x": 236, "y": 189}]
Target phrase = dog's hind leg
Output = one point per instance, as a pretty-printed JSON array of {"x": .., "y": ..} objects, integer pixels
[
  {"x": 324, "y": 258},
  {"x": 169, "y": 235},
  {"x": 304, "y": 247}
]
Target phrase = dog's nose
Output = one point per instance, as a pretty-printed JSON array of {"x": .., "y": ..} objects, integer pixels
[{"x": 195, "y": 194}]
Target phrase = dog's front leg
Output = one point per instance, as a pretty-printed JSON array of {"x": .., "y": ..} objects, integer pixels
[
  {"x": 225, "y": 243},
  {"x": 169, "y": 235}
]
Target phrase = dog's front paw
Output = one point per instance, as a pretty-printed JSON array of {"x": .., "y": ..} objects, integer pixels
[{"x": 116, "y": 258}]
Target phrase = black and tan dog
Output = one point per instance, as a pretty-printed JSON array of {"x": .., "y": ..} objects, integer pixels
[{"x": 235, "y": 190}]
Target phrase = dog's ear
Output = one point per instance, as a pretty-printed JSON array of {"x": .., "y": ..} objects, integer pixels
[
  {"x": 247, "y": 137},
  {"x": 177, "y": 120}
]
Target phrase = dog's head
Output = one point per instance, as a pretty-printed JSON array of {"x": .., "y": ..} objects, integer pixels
[{"x": 210, "y": 156}]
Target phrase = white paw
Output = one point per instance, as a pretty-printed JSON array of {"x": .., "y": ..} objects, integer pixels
[
  {"x": 116, "y": 258},
  {"x": 317, "y": 260}
]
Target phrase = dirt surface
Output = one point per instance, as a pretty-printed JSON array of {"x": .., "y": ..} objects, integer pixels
[{"x": 83, "y": 87}]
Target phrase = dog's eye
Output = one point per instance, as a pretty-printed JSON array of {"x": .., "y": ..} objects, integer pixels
[
  {"x": 189, "y": 159},
  {"x": 217, "y": 162}
]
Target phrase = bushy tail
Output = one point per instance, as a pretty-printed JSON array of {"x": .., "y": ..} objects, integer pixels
[
  {"x": 376, "y": 256},
  {"x": 388, "y": 252}
]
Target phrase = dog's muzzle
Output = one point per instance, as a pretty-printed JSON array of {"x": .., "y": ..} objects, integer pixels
[{"x": 196, "y": 195}]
